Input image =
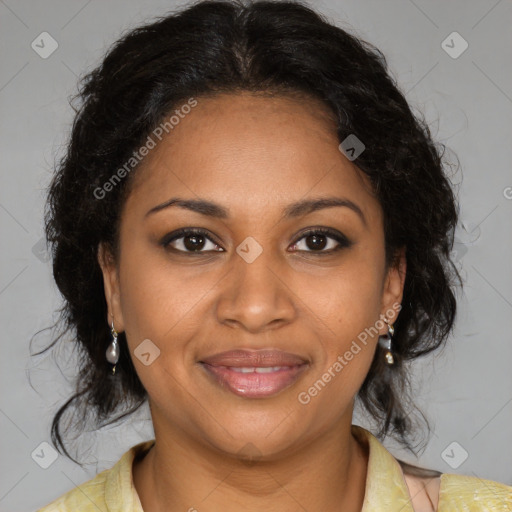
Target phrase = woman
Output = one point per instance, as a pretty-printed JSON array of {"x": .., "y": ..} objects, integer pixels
[{"x": 251, "y": 230}]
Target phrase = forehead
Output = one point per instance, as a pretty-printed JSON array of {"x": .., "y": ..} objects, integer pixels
[{"x": 251, "y": 151}]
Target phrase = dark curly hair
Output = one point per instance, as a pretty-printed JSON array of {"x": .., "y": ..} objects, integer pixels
[{"x": 215, "y": 47}]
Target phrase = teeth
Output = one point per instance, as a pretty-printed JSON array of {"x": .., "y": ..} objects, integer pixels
[{"x": 256, "y": 369}]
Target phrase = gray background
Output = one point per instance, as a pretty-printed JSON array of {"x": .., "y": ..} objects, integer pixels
[{"x": 466, "y": 391}]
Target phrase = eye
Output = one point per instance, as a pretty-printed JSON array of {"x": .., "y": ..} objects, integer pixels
[
  {"x": 197, "y": 240},
  {"x": 190, "y": 240},
  {"x": 322, "y": 241}
]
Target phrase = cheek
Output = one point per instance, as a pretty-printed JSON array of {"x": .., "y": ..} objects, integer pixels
[
  {"x": 348, "y": 341},
  {"x": 349, "y": 306},
  {"x": 347, "y": 299},
  {"x": 155, "y": 308},
  {"x": 164, "y": 304},
  {"x": 152, "y": 298}
]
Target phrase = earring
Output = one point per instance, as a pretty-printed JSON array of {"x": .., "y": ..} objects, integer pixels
[
  {"x": 386, "y": 343},
  {"x": 112, "y": 352}
]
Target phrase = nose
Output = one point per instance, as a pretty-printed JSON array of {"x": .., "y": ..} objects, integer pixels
[{"x": 255, "y": 296}]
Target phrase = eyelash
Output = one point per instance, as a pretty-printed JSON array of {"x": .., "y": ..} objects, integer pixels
[{"x": 343, "y": 241}]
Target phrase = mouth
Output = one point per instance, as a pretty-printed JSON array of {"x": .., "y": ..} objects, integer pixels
[
  {"x": 254, "y": 374},
  {"x": 255, "y": 382}
]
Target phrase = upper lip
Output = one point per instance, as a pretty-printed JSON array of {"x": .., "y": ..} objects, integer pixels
[{"x": 254, "y": 358}]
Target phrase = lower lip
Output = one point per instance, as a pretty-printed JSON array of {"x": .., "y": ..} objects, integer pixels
[{"x": 255, "y": 385}]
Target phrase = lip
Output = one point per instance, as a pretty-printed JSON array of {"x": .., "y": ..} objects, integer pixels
[
  {"x": 225, "y": 369},
  {"x": 254, "y": 358},
  {"x": 255, "y": 385}
]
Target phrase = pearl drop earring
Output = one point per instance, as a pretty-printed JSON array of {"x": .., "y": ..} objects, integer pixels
[
  {"x": 112, "y": 352},
  {"x": 386, "y": 343}
]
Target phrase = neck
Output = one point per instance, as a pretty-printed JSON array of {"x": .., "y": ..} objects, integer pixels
[{"x": 179, "y": 473}]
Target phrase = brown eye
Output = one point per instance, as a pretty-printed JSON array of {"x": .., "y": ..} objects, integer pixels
[
  {"x": 193, "y": 242},
  {"x": 321, "y": 241},
  {"x": 315, "y": 242},
  {"x": 190, "y": 241}
]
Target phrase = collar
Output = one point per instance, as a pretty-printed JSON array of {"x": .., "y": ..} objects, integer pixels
[{"x": 385, "y": 485}]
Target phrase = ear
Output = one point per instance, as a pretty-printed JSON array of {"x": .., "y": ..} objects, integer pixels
[
  {"x": 393, "y": 289},
  {"x": 111, "y": 285}
]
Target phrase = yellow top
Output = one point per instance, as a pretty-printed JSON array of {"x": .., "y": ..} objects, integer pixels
[{"x": 112, "y": 490}]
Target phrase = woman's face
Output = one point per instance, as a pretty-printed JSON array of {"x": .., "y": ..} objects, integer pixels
[{"x": 254, "y": 280}]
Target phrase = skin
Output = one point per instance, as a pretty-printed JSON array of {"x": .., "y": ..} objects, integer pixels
[{"x": 253, "y": 155}]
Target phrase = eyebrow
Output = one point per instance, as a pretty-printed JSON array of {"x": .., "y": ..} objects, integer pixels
[{"x": 294, "y": 210}]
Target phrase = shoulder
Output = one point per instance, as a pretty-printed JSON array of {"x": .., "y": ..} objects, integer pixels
[
  {"x": 423, "y": 490},
  {"x": 445, "y": 492},
  {"x": 112, "y": 489},
  {"x": 87, "y": 497},
  {"x": 475, "y": 494}
]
